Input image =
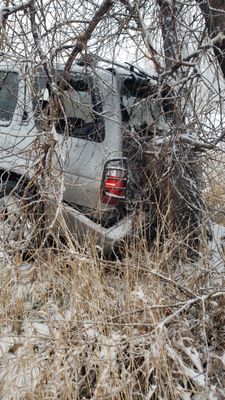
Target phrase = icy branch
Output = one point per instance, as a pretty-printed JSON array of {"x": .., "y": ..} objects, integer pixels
[
  {"x": 188, "y": 304},
  {"x": 196, "y": 144},
  {"x": 6, "y": 11}
]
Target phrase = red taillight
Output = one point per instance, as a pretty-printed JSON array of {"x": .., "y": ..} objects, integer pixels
[
  {"x": 115, "y": 186},
  {"x": 114, "y": 182}
]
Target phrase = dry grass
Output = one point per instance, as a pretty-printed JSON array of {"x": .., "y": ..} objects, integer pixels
[
  {"x": 215, "y": 198},
  {"x": 215, "y": 190},
  {"x": 147, "y": 327}
]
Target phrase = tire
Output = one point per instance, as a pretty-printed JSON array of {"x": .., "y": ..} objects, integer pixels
[{"x": 18, "y": 222}]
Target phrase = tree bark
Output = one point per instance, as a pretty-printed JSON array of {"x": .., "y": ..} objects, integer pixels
[
  {"x": 167, "y": 22},
  {"x": 214, "y": 14},
  {"x": 174, "y": 175}
]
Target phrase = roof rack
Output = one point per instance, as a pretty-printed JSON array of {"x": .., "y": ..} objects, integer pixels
[
  {"x": 128, "y": 66},
  {"x": 141, "y": 71}
]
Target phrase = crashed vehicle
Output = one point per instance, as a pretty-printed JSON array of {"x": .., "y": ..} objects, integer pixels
[{"x": 102, "y": 110}]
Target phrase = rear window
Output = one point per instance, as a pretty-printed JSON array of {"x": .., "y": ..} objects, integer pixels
[
  {"x": 9, "y": 84},
  {"x": 138, "y": 108},
  {"x": 81, "y": 109}
]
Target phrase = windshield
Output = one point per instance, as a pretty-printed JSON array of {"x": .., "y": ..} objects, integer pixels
[
  {"x": 9, "y": 83},
  {"x": 138, "y": 107}
]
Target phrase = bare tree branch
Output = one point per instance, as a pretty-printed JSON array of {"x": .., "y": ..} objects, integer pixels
[
  {"x": 86, "y": 35},
  {"x": 6, "y": 11},
  {"x": 214, "y": 14}
]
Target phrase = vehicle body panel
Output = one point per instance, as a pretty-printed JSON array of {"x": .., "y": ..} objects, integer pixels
[
  {"x": 85, "y": 160},
  {"x": 107, "y": 239}
]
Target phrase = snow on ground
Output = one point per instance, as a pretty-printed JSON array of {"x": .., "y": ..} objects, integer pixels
[{"x": 38, "y": 334}]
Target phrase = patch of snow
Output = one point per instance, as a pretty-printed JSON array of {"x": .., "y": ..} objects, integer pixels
[
  {"x": 21, "y": 378},
  {"x": 198, "y": 378},
  {"x": 5, "y": 343},
  {"x": 217, "y": 246},
  {"x": 39, "y": 329},
  {"x": 183, "y": 394},
  {"x": 138, "y": 293},
  {"x": 223, "y": 359},
  {"x": 151, "y": 392},
  {"x": 109, "y": 347},
  {"x": 193, "y": 354},
  {"x": 205, "y": 396},
  {"x": 90, "y": 332}
]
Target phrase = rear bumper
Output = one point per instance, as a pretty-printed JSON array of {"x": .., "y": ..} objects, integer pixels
[{"x": 106, "y": 238}]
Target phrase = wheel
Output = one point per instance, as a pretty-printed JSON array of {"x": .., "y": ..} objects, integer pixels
[{"x": 18, "y": 222}]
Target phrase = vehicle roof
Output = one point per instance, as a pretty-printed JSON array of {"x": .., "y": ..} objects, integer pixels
[{"x": 104, "y": 68}]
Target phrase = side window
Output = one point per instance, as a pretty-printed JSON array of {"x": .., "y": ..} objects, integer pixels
[
  {"x": 139, "y": 111},
  {"x": 139, "y": 107},
  {"x": 9, "y": 84},
  {"x": 81, "y": 111},
  {"x": 40, "y": 96}
]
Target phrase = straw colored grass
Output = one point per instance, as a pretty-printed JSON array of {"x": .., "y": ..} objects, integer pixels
[
  {"x": 78, "y": 327},
  {"x": 150, "y": 326}
]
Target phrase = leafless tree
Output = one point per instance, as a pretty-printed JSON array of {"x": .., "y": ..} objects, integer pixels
[
  {"x": 141, "y": 330},
  {"x": 183, "y": 41}
]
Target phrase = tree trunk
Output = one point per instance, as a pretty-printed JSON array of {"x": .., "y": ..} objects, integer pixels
[
  {"x": 214, "y": 14},
  {"x": 174, "y": 173}
]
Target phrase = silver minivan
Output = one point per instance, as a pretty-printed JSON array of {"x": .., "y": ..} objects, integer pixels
[{"x": 104, "y": 113}]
